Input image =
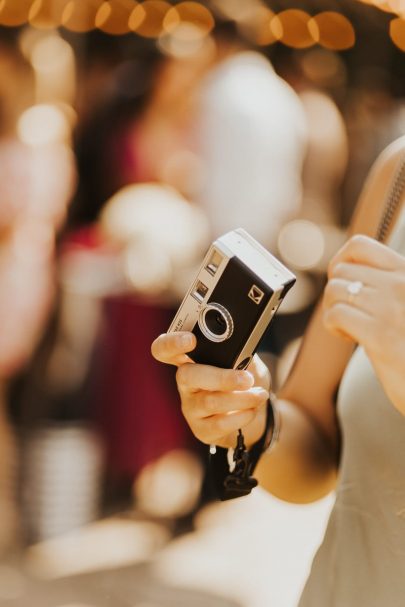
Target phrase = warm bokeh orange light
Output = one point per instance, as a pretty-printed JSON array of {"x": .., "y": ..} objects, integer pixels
[
  {"x": 80, "y": 16},
  {"x": 147, "y": 18},
  {"x": 397, "y": 33},
  {"x": 189, "y": 13},
  {"x": 256, "y": 26},
  {"x": 113, "y": 17},
  {"x": 397, "y": 6},
  {"x": 46, "y": 14},
  {"x": 332, "y": 30},
  {"x": 14, "y": 13},
  {"x": 389, "y": 6},
  {"x": 291, "y": 28}
]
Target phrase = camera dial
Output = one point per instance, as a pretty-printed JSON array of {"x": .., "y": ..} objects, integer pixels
[{"x": 215, "y": 322}]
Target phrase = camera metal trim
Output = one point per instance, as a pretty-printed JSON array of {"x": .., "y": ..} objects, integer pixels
[{"x": 205, "y": 330}]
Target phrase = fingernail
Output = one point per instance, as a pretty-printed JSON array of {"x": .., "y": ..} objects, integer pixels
[
  {"x": 244, "y": 378},
  {"x": 186, "y": 341}
]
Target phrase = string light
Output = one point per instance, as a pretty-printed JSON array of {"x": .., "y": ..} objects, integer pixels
[
  {"x": 79, "y": 15},
  {"x": 14, "y": 13},
  {"x": 113, "y": 17},
  {"x": 397, "y": 32},
  {"x": 389, "y": 6},
  {"x": 255, "y": 25},
  {"x": 332, "y": 30},
  {"x": 147, "y": 18},
  {"x": 192, "y": 20},
  {"x": 292, "y": 24},
  {"x": 190, "y": 14},
  {"x": 46, "y": 14}
]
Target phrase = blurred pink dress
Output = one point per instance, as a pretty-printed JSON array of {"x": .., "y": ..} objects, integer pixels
[{"x": 132, "y": 398}]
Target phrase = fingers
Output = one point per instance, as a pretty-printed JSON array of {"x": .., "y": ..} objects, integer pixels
[
  {"x": 172, "y": 348},
  {"x": 260, "y": 372},
  {"x": 364, "y": 250},
  {"x": 211, "y": 430},
  {"x": 336, "y": 291},
  {"x": 193, "y": 378},
  {"x": 346, "y": 320},
  {"x": 208, "y": 404},
  {"x": 352, "y": 272},
  {"x": 216, "y": 402}
]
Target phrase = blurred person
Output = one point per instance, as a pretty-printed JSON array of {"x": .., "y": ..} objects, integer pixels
[
  {"x": 307, "y": 242},
  {"x": 121, "y": 259},
  {"x": 342, "y": 428},
  {"x": 250, "y": 134},
  {"x": 37, "y": 182},
  {"x": 156, "y": 135}
]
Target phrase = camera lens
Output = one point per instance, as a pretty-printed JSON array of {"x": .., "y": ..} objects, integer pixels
[{"x": 215, "y": 322}]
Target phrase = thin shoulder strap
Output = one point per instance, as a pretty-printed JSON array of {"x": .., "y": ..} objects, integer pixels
[{"x": 393, "y": 201}]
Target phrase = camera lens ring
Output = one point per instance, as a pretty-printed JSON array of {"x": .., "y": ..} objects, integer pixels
[{"x": 225, "y": 319}]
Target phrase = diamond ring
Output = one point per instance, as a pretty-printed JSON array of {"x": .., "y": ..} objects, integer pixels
[{"x": 353, "y": 289}]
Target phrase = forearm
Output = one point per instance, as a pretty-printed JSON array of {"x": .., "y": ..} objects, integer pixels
[{"x": 302, "y": 465}]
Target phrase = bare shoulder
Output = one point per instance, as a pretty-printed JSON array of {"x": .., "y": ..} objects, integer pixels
[{"x": 375, "y": 191}]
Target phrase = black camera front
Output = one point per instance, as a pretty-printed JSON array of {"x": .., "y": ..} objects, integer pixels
[{"x": 232, "y": 300}]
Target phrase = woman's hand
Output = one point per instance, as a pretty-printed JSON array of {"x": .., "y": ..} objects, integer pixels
[
  {"x": 365, "y": 301},
  {"x": 216, "y": 402}
]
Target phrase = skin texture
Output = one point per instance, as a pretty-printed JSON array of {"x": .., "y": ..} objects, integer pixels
[{"x": 216, "y": 402}]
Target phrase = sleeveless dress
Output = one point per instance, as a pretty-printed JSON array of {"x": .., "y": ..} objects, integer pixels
[{"x": 361, "y": 562}]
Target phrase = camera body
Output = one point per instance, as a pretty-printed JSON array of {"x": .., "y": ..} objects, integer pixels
[{"x": 231, "y": 302}]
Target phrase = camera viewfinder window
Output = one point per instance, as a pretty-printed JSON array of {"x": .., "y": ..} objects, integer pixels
[
  {"x": 200, "y": 291},
  {"x": 214, "y": 263}
]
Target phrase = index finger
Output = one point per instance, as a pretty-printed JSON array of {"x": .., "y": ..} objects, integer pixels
[{"x": 172, "y": 348}]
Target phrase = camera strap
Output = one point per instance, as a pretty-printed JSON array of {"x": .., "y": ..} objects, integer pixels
[
  {"x": 238, "y": 481},
  {"x": 393, "y": 201}
]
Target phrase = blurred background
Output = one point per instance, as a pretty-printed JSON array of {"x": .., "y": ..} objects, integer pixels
[{"x": 131, "y": 135}]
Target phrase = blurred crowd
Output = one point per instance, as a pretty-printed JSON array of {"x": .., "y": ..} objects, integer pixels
[{"x": 120, "y": 160}]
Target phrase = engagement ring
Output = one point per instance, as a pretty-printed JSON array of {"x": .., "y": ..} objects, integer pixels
[{"x": 353, "y": 289}]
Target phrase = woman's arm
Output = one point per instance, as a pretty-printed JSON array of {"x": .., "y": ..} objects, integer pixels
[
  {"x": 302, "y": 466},
  {"x": 216, "y": 402}
]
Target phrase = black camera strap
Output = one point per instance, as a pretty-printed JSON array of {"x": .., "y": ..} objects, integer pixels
[{"x": 237, "y": 482}]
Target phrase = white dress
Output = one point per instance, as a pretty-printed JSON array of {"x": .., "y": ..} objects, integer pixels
[{"x": 361, "y": 562}]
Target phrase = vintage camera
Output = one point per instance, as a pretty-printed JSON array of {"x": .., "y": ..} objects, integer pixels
[{"x": 230, "y": 304}]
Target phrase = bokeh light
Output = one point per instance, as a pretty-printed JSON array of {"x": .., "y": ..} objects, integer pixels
[
  {"x": 291, "y": 28},
  {"x": 256, "y": 26},
  {"x": 48, "y": 51},
  {"x": 332, "y": 30},
  {"x": 113, "y": 17},
  {"x": 397, "y": 32},
  {"x": 14, "y": 13},
  {"x": 171, "y": 485},
  {"x": 397, "y": 6},
  {"x": 301, "y": 243},
  {"x": 235, "y": 9},
  {"x": 46, "y": 14},
  {"x": 43, "y": 124},
  {"x": 79, "y": 16},
  {"x": 389, "y": 6},
  {"x": 147, "y": 18},
  {"x": 185, "y": 41},
  {"x": 191, "y": 14}
]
